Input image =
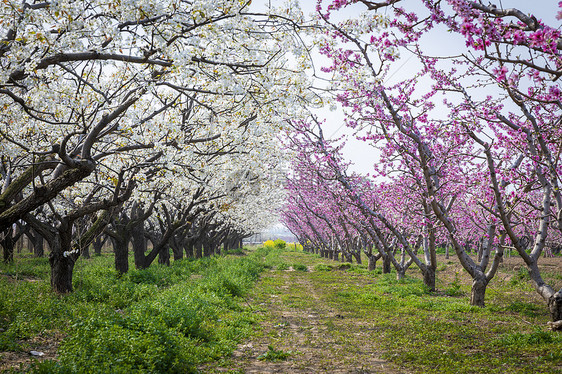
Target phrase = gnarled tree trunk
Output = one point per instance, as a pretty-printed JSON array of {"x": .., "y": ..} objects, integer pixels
[
  {"x": 478, "y": 291},
  {"x": 62, "y": 258},
  {"x": 121, "y": 250},
  {"x": 386, "y": 264},
  {"x": 429, "y": 278},
  {"x": 555, "y": 307},
  {"x": 7, "y": 241},
  {"x": 164, "y": 256}
]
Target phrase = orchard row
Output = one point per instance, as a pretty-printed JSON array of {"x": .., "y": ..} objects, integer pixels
[
  {"x": 143, "y": 121},
  {"x": 466, "y": 148}
]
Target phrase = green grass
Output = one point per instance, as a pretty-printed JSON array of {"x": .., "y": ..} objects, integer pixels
[
  {"x": 158, "y": 320},
  {"x": 420, "y": 331},
  {"x": 174, "y": 319},
  {"x": 300, "y": 267},
  {"x": 273, "y": 354}
]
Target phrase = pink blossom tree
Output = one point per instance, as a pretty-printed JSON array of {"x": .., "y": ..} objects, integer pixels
[{"x": 494, "y": 138}]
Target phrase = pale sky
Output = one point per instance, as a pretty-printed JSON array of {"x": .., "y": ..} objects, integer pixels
[{"x": 437, "y": 43}]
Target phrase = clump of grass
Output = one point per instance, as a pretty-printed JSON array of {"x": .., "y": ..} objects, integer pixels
[
  {"x": 522, "y": 275},
  {"x": 344, "y": 266},
  {"x": 527, "y": 309},
  {"x": 454, "y": 288},
  {"x": 235, "y": 252},
  {"x": 535, "y": 338},
  {"x": 300, "y": 267},
  {"x": 323, "y": 267},
  {"x": 273, "y": 354}
]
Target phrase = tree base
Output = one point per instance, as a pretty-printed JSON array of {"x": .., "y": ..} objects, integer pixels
[{"x": 555, "y": 326}]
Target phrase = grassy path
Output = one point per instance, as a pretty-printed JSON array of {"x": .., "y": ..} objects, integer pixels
[
  {"x": 331, "y": 318},
  {"x": 298, "y": 317}
]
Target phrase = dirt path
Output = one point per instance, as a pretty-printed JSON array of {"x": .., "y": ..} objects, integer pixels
[{"x": 299, "y": 317}]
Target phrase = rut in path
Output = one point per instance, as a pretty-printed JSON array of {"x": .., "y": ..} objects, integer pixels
[{"x": 299, "y": 318}]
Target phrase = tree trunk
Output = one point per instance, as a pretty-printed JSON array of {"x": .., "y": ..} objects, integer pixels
[
  {"x": 8, "y": 244},
  {"x": 553, "y": 299},
  {"x": 19, "y": 245},
  {"x": 38, "y": 243},
  {"x": 188, "y": 247},
  {"x": 479, "y": 284},
  {"x": 555, "y": 306},
  {"x": 61, "y": 259},
  {"x": 198, "y": 249},
  {"x": 372, "y": 263},
  {"x": 86, "y": 252},
  {"x": 479, "y": 252},
  {"x": 97, "y": 244},
  {"x": 177, "y": 249},
  {"x": 164, "y": 256},
  {"x": 121, "y": 249},
  {"x": 206, "y": 249},
  {"x": 386, "y": 264},
  {"x": 139, "y": 246},
  {"x": 429, "y": 278},
  {"x": 61, "y": 272},
  {"x": 357, "y": 256},
  {"x": 39, "y": 246}
]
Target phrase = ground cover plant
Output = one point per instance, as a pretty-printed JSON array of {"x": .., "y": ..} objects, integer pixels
[
  {"x": 159, "y": 320},
  {"x": 350, "y": 319}
]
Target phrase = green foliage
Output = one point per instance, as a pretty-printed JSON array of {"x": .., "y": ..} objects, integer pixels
[
  {"x": 522, "y": 275},
  {"x": 235, "y": 252},
  {"x": 158, "y": 320},
  {"x": 272, "y": 257},
  {"x": 279, "y": 244},
  {"x": 322, "y": 267},
  {"x": 48, "y": 367},
  {"x": 527, "y": 309},
  {"x": 454, "y": 288},
  {"x": 407, "y": 286},
  {"x": 126, "y": 345},
  {"x": 28, "y": 308},
  {"x": 345, "y": 266},
  {"x": 535, "y": 338},
  {"x": 404, "y": 323},
  {"x": 33, "y": 267},
  {"x": 273, "y": 354},
  {"x": 294, "y": 247},
  {"x": 300, "y": 267},
  {"x": 442, "y": 267}
]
